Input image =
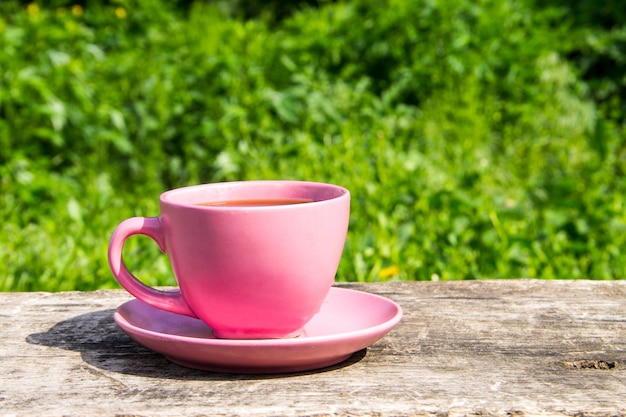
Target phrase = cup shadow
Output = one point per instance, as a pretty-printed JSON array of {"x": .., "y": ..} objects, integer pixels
[{"x": 101, "y": 343}]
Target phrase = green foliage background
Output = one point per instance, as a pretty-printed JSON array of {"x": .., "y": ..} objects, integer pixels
[{"x": 480, "y": 139}]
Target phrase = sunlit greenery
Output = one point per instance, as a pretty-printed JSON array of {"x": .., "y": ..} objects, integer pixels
[{"x": 479, "y": 139}]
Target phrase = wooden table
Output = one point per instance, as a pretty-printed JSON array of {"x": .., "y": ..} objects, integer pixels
[{"x": 502, "y": 348}]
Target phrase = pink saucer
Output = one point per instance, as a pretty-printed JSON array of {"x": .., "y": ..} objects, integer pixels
[{"x": 348, "y": 322}]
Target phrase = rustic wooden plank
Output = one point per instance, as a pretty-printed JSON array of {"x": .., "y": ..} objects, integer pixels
[{"x": 519, "y": 347}]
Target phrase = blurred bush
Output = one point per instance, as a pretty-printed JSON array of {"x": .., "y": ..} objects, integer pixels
[{"x": 479, "y": 140}]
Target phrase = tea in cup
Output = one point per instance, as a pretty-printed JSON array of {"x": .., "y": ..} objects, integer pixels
[{"x": 252, "y": 259}]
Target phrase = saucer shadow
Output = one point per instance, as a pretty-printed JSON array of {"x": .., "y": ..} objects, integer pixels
[{"x": 104, "y": 345}]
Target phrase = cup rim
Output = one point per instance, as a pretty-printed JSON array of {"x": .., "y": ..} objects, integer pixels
[{"x": 182, "y": 196}]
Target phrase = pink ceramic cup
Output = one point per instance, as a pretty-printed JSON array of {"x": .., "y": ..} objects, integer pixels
[{"x": 248, "y": 272}]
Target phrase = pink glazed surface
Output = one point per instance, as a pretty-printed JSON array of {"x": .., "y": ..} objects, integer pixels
[
  {"x": 348, "y": 322},
  {"x": 247, "y": 272}
]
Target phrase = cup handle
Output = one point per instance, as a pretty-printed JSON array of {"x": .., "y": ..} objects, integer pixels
[{"x": 173, "y": 300}]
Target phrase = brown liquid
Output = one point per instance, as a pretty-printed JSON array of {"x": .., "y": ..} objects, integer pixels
[{"x": 261, "y": 202}]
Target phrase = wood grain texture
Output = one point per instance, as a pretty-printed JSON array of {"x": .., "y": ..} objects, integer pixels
[{"x": 477, "y": 348}]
